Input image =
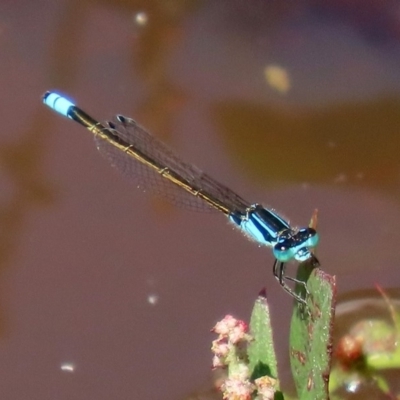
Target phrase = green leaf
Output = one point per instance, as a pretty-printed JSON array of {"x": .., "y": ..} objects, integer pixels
[
  {"x": 261, "y": 353},
  {"x": 311, "y": 333}
]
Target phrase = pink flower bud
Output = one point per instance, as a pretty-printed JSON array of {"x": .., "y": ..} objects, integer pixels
[
  {"x": 218, "y": 362},
  {"x": 220, "y": 347},
  {"x": 237, "y": 389},
  {"x": 266, "y": 388},
  {"x": 224, "y": 326}
]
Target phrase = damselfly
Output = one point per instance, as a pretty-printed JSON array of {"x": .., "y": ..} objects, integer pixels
[{"x": 136, "y": 153}]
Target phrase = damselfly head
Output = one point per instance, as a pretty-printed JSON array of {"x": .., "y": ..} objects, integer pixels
[{"x": 297, "y": 246}]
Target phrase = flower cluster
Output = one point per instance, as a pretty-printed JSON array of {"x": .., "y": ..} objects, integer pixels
[
  {"x": 230, "y": 352},
  {"x": 232, "y": 337},
  {"x": 237, "y": 388},
  {"x": 266, "y": 388}
]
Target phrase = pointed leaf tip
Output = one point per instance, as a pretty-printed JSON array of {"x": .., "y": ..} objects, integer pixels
[{"x": 263, "y": 293}]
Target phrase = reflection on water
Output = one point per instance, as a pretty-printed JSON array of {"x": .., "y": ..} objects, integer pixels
[
  {"x": 68, "y": 367},
  {"x": 355, "y": 144},
  {"x": 155, "y": 32},
  {"x": 27, "y": 188}
]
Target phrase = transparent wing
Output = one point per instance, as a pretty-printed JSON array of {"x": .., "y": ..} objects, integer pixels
[{"x": 149, "y": 179}]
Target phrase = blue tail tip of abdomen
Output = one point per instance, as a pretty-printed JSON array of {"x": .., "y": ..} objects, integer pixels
[{"x": 57, "y": 102}]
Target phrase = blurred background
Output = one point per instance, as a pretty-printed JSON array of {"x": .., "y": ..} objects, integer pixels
[{"x": 106, "y": 292}]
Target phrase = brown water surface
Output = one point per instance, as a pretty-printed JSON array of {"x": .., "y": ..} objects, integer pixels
[{"x": 108, "y": 293}]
